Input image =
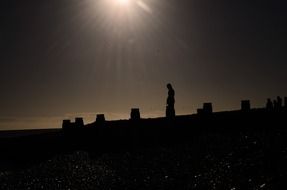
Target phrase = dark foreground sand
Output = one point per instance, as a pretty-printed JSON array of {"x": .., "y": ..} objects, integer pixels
[{"x": 243, "y": 161}]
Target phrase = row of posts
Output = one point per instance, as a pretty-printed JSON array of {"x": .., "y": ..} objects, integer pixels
[
  {"x": 79, "y": 122},
  {"x": 206, "y": 109}
]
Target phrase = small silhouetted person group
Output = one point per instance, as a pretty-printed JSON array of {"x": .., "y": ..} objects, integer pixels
[
  {"x": 276, "y": 104},
  {"x": 170, "y": 112}
]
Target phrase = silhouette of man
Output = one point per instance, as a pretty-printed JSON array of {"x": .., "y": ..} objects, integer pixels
[{"x": 170, "y": 112}]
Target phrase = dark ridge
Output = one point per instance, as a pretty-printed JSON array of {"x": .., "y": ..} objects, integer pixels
[{"x": 105, "y": 136}]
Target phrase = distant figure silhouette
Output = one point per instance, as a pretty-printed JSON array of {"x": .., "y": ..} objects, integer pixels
[
  {"x": 275, "y": 104},
  {"x": 269, "y": 104},
  {"x": 170, "y": 112},
  {"x": 279, "y": 102}
]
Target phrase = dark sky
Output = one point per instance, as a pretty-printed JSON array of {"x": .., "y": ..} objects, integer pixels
[{"x": 66, "y": 58}]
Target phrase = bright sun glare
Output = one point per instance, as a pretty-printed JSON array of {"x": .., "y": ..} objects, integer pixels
[
  {"x": 122, "y": 12},
  {"x": 123, "y": 2}
]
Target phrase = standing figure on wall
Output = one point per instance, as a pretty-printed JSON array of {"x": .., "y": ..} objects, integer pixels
[{"x": 170, "y": 112}]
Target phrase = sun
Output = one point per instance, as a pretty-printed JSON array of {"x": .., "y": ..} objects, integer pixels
[{"x": 123, "y": 2}]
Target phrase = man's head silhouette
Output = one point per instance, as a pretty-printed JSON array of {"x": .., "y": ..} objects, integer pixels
[{"x": 169, "y": 86}]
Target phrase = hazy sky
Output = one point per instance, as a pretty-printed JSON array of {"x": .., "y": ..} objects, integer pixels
[{"x": 62, "y": 58}]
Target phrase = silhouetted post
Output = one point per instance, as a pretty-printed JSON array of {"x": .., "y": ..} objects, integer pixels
[
  {"x": 269, "y": 104},
  {"x": 199, "y": 111},
  {"x": 100, "y": 118},
  {"x": 135, "y": 114},
  {"x": 207, "y": 108},
  {"x": 245, "y": 105},
  {"x": 66, "y": 124},
  {"x": 285, "y": 102},
  {"x": 79, "y": 122},
  {"x": 170, "y": 112}
]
